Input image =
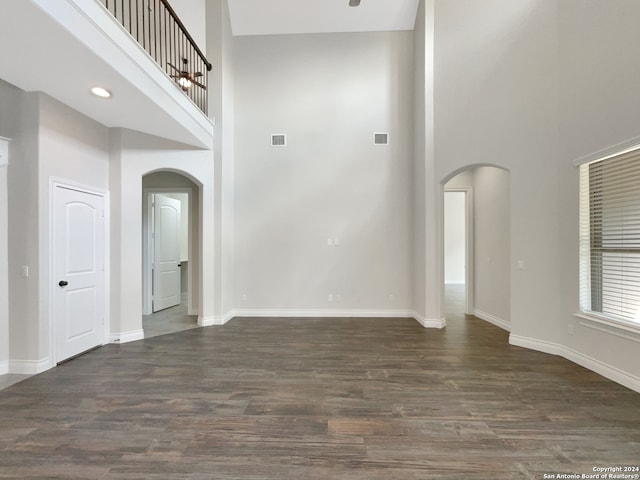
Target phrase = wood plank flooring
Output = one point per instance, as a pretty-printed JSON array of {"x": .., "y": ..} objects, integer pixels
[
  {"x": 170, "y": 320},
  {"x": 318, "y": 399}
]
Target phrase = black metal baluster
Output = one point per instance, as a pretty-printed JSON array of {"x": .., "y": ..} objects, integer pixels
[
  {"x": 149, "y": 25},
  {"x": 165, "y": 38}
]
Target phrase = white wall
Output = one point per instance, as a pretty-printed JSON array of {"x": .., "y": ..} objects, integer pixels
[
  {"x": 454, "y": 237},
  {"x": 134, "y": 155},
  {"x": 193, "y": 16},
  {"x": 49, "y": 139},
  {"x": 10, "y": 116},
  {"x": 496, "y": 103},
  {"x": 329, "y": 94},
  {"x": 19, "y": 119},
  {"x": 74, "y": 148},
  {"x": 221, "y": 107},
  {"x": 599, "y": 108},
  {"x": 427, "y": 234},
  {"x": 419, "y": 127},
  {"x": 492, "y": 243},
  {"x": 4, "y": 259},
  {"x": 529, "y": 87}
]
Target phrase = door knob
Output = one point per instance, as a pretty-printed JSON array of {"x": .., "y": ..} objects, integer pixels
[{"x": 63, "y": 283}]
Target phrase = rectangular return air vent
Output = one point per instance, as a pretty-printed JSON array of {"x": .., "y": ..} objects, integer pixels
[
  {"x": 278, "y": 140},
  {"x": 381, "y": 139}
]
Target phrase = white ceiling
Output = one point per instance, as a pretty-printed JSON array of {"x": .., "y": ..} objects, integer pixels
[{"x": 268, "y": 17}]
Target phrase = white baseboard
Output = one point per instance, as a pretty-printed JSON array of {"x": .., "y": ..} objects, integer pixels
[
  {"x": 329, "y": 313},
  {"x": 216, "y": 320},
  {"x": 4, "y": 367},
  {"x": 429, "y": 322},
  {"x": 29, "y": 367},
  {"x": 497, "y": 321},
  {"x": 607, "y": 371},
  {"x": 126, "y": 337}
]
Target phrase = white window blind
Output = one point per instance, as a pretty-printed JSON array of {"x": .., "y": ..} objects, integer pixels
[{"x": 610, "y": 237}]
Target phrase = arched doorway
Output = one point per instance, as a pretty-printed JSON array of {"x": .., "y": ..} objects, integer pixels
[
  {"x": 477, "y": 236},
  {"x": 169, "y": 302}
]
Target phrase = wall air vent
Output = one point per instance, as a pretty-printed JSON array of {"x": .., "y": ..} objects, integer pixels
[
  {"x": 381, "y": 139},
  {"x": 278, "y": 140}
]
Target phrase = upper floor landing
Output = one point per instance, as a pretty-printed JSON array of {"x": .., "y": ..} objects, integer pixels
[{"x": 66, "y": 47}]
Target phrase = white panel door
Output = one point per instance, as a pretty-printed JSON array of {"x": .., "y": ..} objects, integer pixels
[
  {"x": 78, "y": 268},
  {"x": 166, "y": 252}
]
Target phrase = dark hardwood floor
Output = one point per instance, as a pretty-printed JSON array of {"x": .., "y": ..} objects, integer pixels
[
  {"x": 171, "y": 320},
  {"x": 317, "y": 399}
]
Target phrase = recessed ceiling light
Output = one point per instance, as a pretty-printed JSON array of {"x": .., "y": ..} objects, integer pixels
[
  {"x": 101, "y": 92},
  {"x": 354, "y": 3}
]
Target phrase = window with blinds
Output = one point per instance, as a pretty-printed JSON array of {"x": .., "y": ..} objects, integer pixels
[{"x": 610, "y": 237}]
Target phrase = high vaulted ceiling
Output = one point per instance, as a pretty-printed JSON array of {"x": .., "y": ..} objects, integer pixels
[{"x": 268, "y": 17}]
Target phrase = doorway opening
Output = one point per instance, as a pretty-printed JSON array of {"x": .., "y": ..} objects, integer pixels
[
  {"x": 477, "y": 238},
  {"x": 458, "y": 250},
  {"x": 170, "y": 253}
]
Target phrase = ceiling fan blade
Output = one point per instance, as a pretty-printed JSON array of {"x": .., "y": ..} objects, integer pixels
[
  {"x": 198, "y": 74},
  {"x": 173, "y": 66},
  {"x": 195, "y": 82}
]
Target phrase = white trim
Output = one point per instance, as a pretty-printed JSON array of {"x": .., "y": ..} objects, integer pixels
[
  {"x": 497, "y": 321},
  {"x": 597, "y": 366},
  {"x": 329, "y": 313},
  {"x": 126, "y": 337},
  {"x": 4, "y": 366},
  {"x": 217, "y": 320},
  {"x": 55, "y": 182},
  {"x": 613, "y": 327},
  {"x": 429, "y": 322},
  {"x": 30, "y": 367},
  {"x": 613, "y": 150}
]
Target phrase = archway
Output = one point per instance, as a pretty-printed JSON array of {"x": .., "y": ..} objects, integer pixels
[
  {"x": 181, "y": 314},
  {"x": 485, "y": 247}
]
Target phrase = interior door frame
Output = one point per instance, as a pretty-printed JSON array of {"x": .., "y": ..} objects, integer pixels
[
  {"x": 54, "y": 183},
  {"x": 468, "y": 246},
  {"x": 147, "y": 260}
]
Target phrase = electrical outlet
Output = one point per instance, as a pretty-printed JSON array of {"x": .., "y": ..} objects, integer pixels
[
  {"x": 244, "y": 297},
  {"x": 330, "y": 297},
  {"x": 25, "y": 271},
  {"x": 338, "y": 298},
  {"x": 336, "y": 242},
  {"x": 391, "y": 297},
  {"x": 570, "y": 328},
  {"x": 521, "y": 265},
  {"x": 330, "y": 242}
]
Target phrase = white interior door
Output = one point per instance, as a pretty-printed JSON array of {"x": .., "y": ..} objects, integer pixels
[
  {"x": 166, "y": 252},
  {"x": 78, "y": 268}
]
